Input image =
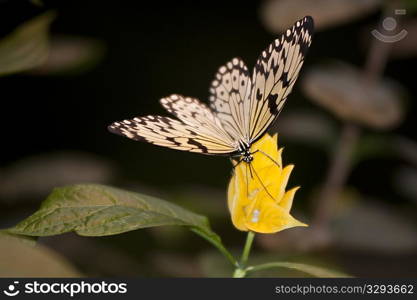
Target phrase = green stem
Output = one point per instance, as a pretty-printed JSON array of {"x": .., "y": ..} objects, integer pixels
[
  {"x": 240, "y": 270},
  {"x": 246, "y": 249}
]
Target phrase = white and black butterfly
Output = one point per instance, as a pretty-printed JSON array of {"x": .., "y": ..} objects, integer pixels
[{"x": 241, "y": 109}]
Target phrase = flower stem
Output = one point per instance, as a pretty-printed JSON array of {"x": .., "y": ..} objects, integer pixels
[
  {"x": 247, "y": 248},
  {"x": 240, "y": 270}
]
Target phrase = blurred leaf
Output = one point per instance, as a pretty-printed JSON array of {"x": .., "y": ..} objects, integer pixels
[
  {"x": 90, "y": 253},
  {"x": 373, "y": 226},
  {"x": 27, "y": 46},
  {"x": 28, "y": 240},
  {"x": 98, "y": 210},
  {"x": 19, "y": 259},
  {"x": 342, "y": 89},
  {"x": 308, "y": 269},
  {"x": 71, "y": 55},
  {"x": 34, "y": 176},
  {"x": 307, "y": 127}
]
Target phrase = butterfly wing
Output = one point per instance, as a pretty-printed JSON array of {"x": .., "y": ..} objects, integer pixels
[
  {"x": 229, "y": 92},
  {"x": 242, "y": 108},
  {"x": 198, "y": 130},
  {"x": 193, "y": 112},
  {"x": 274, "y": 75}
]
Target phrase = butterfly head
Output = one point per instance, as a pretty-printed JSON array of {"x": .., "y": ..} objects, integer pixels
[{"x": 247, "y": 157}]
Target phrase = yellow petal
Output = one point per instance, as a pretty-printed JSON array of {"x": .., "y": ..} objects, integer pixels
[
  {"x": 257, "y": 199},
  {"x": 286, "y": 202},
  {"x": 282, "y": 181},
  {"x": 268, "y": 217},
  {"x": 237, "y": 199},
  {"x": 279, "y": 159},
  {"x": 265, "y": 153}
]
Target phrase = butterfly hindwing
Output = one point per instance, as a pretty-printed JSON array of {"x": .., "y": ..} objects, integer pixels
[
  {"x": 275, "y": 73},
  {"x": 189, "y": 110},
  {"x": 193, "y": 112}
]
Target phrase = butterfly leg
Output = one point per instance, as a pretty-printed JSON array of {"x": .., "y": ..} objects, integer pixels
[
  {"x": 234, "y": 166},
  {"x": 250, "y": 170},
  {"x": 247, "y": 181},
  {"x": 260, "y": 181},
  {"x": 267, "y": 155}
]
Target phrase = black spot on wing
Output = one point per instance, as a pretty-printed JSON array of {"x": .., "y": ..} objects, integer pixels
[
  {"x": 272, "y": 103},
  {"x": 199, "y": 145},
  {"x": 173, "y": 141},
  {"x": 258, "y": 95},
  {"x": 284, "y": 79}
]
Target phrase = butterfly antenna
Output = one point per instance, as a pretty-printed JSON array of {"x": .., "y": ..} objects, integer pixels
[{"x": 247, "y": 182}]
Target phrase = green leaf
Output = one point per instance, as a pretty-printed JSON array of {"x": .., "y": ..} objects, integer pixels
[
  {"x": 311, "y": 270},
  {"x": 18, "y": 258},
  {"x": 27, "y": 46},
  {"x": 98, "y": 210}
]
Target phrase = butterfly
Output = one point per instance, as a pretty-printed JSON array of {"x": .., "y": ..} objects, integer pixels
[{"x": 241, "y": 108}]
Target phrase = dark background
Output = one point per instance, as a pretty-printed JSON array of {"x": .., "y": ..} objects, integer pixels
[{"x": 154, "y": 49}]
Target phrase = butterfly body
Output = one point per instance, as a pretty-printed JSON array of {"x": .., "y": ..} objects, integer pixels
[
  {"x": 245, "y": 155},
  {"x": 241, "y": 108}
]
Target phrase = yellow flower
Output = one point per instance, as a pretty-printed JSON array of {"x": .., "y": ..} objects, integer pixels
[{"x": 257, "y": 198}]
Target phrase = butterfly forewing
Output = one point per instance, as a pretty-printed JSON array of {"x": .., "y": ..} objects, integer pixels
[
  {"x": 229, "y": 92},
  {"x": 274, "y": 75},
  {"x": 171, "y": 133}
]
